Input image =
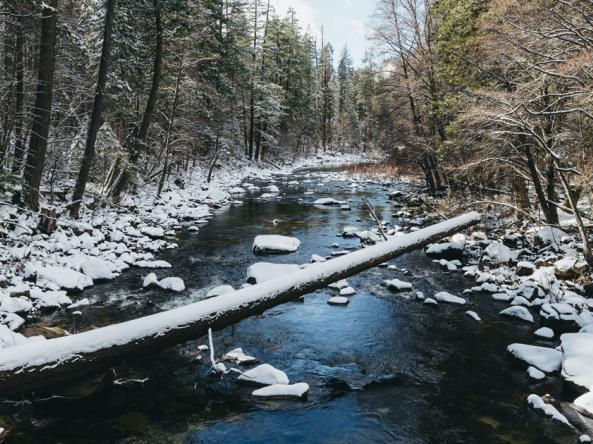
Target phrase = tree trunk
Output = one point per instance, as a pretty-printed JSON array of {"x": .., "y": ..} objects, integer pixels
[
  {"x": 549, "y": 211},
  {"x": 252, "y": 87},
  {"x": 35, "y": 365},
  {"x": 96, "y": 119},
  {"x": 19, "y": 144},
  {"x": 42, "y": 110},
  {"x": 138, "y": 141}
]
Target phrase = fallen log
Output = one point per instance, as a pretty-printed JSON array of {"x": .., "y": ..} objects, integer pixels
[{"x": 41, "y": 364}]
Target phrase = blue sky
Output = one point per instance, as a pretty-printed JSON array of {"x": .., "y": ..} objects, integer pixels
[{"x": 344, "y": 21}]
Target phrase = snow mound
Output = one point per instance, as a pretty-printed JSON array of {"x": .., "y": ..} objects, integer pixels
[
  {"x": 272, "y": 244},
  {"x": 264, "y": 374},
  {"x": 546, "y": 359},
  {"x": 297, "y": 390}
]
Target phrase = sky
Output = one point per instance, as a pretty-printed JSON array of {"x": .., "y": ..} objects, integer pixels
[{"x": 345, "y": 22}]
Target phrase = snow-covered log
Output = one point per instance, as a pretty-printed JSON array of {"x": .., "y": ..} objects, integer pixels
[{"x": 33, "y": 365}]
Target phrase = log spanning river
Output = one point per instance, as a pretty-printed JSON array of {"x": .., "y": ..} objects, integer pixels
[{"x": 385, "y": 368}]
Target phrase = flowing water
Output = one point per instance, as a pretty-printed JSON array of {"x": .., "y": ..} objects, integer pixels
[{"x": 382, "y": 369}]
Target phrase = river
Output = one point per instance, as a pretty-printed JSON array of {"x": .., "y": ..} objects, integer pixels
[{"x": 382, "y": 369}]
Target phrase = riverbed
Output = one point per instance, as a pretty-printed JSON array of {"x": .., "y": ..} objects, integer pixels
[{"x": 385, "y": 368}]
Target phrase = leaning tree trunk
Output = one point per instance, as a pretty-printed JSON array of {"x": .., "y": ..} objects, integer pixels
[
  {"x": 96, "y": 120},
  {"x": 42, "y": 109},
  {"x": 34, "y": 365},
  {"x": 138, "y": 142},
  {"x": 549, "y": 210}
]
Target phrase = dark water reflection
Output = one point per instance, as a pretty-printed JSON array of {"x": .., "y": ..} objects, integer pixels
[{"x": 383, "y": 369}]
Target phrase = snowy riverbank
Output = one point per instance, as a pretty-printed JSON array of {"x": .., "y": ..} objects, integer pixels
[{"x": 42, "y": 272}]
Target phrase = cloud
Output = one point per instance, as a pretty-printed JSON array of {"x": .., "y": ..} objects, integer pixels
[{"x": 304, "y": 13}]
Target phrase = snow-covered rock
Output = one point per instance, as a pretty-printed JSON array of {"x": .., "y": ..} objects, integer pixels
[
  {"x": 535, "y": 373},
  {"x": 447, "y": 250},
  {"x": 546, "y": 359},
  {"x": 63, "y": 277},
  {"x": 297, "y": 390},
  {"x": 328, "y": 201},
  {"x": 150, "y": 279},
  {"x": 348, "y": 291},
  {"x": 16, "y": 305},
  {"x": 221, "y": 289},
  {"x": 430, "y": 301},
  {"x": 397, "y": 285},
  {"x": 264, "y": 271},
  {"x": 518, "y": 312},
  {"x": 264, "y": 374},
  {"x": 584, "y": 403},
  {"x": 496, "y": 254},
  {"x": 473, "y": 315},
  {"x": 172, "y": 283},
  {"x": 525, "y": 268},
  {"x": 559, "y": 312},
  {"x": 537, "y": 403},
  {"x": 544, "y": 333},
  {"x": 97, "y": 269},
  {"x": 343, "y": 283},
  {"x": 550, "y": 235},
  {"x": 316, "y": 258},
  {"x": 577, "y": 358},
  {"x": 443, "y": 296},
  {"x": 154, "y": 232},
  {"x": 152, "y": 264},
  {"x": 272, "y": 244},
  {"x": 338, "y": 300},
  {"x": 570, "y": 268}
]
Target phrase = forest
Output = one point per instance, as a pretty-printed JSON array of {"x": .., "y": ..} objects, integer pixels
[{"x": 152, "y": 151}]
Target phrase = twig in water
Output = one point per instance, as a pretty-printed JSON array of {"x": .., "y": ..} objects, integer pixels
[{"x": 374, "y": 215}]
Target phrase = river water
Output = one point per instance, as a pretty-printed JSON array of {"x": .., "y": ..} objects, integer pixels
[{"x": 382, "y": 369}]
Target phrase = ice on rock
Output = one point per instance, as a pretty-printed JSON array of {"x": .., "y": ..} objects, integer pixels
[
  {"x": 63, "y": 278},
  {"x": 519, "y": 312},
  {"x": 264, "y": 271},
  {"x": 397, "y": 285},
  {"x": 221, "y": 289},
  {"x": 544, "y": 333},
  {"x": 297, "y": 390},
  {"x": 271, "y": 244},
  {"x": 538, "y": 403},
  {"x": 443, "y": 296},
  {"x": 338, "y": 300},
  {"x": 473, "y": 315},
  {"x": 172, "y": 283},
  {"x": 535, "y": 373},
  {"x": 237, "y": 356},
  {"x": 264, "y": 374},
  {"x": 577, "y": 358},
  {"x": 348, "y": 291},
  {"x": 546, "y": 359},
  {"x": 150, "y": 279},
  {"x": 97, "y": 269}
]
